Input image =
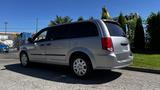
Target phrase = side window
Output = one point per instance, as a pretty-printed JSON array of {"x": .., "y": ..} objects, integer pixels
[
  {"x": 75, "y": 30},
  {"x": 85, "y": 29},
  {"x": 58, "y": 32},
  {"x": 41, "y": 37}
]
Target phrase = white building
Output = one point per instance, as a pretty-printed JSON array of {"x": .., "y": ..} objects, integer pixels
[{"x": 8, "y": 38}]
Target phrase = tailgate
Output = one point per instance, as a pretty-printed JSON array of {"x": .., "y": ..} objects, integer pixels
[
  {"x": 120, "y": 42},
  {"x": 121, "y": 47}
]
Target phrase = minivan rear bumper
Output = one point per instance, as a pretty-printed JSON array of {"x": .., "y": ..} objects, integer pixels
[
  {"x": 110, "y": 62},
  {"x": 123, "y": 63}
]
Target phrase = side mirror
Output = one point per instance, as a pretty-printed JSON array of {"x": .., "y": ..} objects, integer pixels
[{"x": 30, "y": 40}]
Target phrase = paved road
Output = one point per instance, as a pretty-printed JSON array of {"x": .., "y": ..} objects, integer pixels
[
  {"x": 10, "y": 55},
  {"x": 51, "y": 77}
]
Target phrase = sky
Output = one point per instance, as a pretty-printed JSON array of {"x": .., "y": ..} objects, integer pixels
[{"x": 21, "y": 14}]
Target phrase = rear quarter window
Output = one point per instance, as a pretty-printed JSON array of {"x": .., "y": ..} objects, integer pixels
[
  {"x": 115, "y": 29},
  {"x": 83, "y": 29}
]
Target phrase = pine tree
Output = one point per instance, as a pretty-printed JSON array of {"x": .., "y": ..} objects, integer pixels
[
  {"x": 122, "y": 21},
  {"x": 153, "y": 29},
  {"x": 139, "y": 39}
]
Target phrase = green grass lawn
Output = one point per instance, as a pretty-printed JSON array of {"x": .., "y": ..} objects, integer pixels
[{"x": 149, "y": 61}]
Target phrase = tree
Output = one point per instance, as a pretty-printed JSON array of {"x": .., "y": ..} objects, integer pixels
[
  {"x": 91, "y": 18},
  {"x": 131, "y": 25},
  {"x": 122, "y": 21},
  {"x": 80, "y": 18},
  {"x": 153, "y": 29},
  {"x": 131, "y": 16},
  {"x": 139, "y": 39},
  {"x": 105, "y": 14},
  {"x": 60, "y": 20},
  {"x": 67, "y": 19},
  {"x": 131, "y": 29}
]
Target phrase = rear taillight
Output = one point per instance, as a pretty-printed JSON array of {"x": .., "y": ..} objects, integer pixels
[{"x": 107, "y": 44}]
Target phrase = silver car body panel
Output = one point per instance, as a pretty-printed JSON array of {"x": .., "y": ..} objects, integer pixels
[{"x": 59, "y": 51}]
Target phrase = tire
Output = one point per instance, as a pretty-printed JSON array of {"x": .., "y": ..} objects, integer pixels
[
  {"x": 6, "y": 51},
  {"x": 24, "y": 59},
  {"x": 81, "y": 66}
]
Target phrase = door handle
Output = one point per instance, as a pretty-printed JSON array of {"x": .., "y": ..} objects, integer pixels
[
  {"x": 41, "y": 44},
  {"x": 48, "y": 44},
  {"x": 124, "y": 44}
]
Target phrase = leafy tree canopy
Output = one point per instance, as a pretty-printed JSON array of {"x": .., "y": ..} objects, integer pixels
[
  {"x": 60, "y": 20},
  {"x": 80, "y": 18},
  {"x": 122, "y": 21}
]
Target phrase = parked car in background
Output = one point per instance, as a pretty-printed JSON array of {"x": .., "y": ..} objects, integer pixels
[
  {"x": 22, "y": 39},
  {"x": 9, "y": 43},
  {"x": 84, "y": 46},
  {"x": 4, "y": 48}
]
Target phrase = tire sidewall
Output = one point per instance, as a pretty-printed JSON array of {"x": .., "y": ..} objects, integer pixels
[
  {"x": 21, "y": 59},
  {"x": 87, "y": 61}
]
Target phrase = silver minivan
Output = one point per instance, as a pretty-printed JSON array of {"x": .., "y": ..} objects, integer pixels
[{"x": 84, "y": 46}]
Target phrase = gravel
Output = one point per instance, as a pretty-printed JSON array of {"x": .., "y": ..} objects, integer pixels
[{"x": 51, "y": 77}]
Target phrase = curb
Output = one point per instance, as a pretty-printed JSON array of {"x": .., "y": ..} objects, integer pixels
[{"x": 142, "y": 70}]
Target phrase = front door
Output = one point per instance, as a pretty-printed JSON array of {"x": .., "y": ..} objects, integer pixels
[
  {"x": 37, "y": 52},
  {"x": 57, "y": 45}
]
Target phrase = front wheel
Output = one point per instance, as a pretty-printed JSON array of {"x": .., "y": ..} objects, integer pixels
[
  {"x": 81, "y": 66},
  {"x": 24, "y": 59}
]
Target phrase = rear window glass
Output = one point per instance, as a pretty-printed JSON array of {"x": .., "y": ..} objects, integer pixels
[{"x": 115, "y": 30}]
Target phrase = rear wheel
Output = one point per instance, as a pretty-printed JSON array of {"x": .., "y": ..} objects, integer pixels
[
  {"x": 24, "y": 59},
  {"x": 81, "y": 65}
]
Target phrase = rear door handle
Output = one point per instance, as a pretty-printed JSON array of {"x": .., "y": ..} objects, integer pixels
[
  {"x": 48, "y": 44},
  {"x": 41, "y": 44},
  {"x": 124, "y": 44}
]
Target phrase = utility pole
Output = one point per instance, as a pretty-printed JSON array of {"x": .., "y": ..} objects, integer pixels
[
  {"x": 36, "y": 25},
  {"x": 5, "y": 27}
]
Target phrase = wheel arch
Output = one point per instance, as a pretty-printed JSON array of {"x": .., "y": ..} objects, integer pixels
[
  {"x": 23, "y": 51},
  {"x": 84, "y": 51}
]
